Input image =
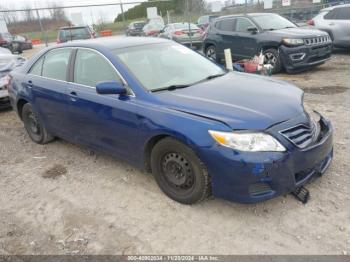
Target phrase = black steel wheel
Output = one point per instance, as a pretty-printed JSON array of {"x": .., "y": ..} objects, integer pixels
[
  {"x": 272, "y": 57},
  {"x": 35, "y": 129},
  {"x": 179, "y": 172}
]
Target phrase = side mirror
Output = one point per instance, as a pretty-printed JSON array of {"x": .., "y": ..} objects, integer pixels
[
  {"x": 110, "y": 88},
  {"x": 253, "y": 30}
]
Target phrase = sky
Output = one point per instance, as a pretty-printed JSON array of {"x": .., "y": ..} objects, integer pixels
[{"x": 89, "y": 15}]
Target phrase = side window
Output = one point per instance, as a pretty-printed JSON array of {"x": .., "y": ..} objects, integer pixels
[
  {"x": 91, "y": 68},
  {"x": 343, "y": 13},
  {"x": 227, "y": 25},
  {"x": 242, "y": 25},
  {"x": 331, "y": 15},
  {"x": 56, "y": 64},
  {"x": 37, "y": 67}
]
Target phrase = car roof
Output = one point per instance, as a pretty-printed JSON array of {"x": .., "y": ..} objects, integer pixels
[
  {"x": 334, "y": 7},
  {"x": 248, "y": 14},
  {"x": 115, "y": 42}
]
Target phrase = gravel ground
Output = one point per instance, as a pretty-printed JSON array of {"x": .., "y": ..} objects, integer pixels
[{"x": 61, "y": 198}]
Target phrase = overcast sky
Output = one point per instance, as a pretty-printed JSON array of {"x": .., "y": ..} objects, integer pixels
[{"x": 90, "y": 15}]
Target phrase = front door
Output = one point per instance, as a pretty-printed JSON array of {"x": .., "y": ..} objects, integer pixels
[{"x": 104, "y": 122}]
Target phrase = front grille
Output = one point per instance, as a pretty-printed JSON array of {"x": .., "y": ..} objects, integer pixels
[
  {"x": 300, "y": 135},
  {"x": 259, "y": 189},
  {"x": 317, "y": 40}
]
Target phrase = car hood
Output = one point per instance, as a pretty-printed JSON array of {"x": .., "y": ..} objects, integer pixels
[
  {"x": 298, "y": 32},
  {"x": 239, "y": 100}
]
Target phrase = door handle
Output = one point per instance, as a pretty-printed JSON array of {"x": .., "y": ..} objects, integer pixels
[
  {"x": 73, "y": 96},
  {"x": 30, "y": 84}
]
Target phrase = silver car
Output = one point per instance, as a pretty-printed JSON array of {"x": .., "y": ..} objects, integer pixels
[
  {"x": 335, "y": 21},
  {"x": 183, "y": 33}
]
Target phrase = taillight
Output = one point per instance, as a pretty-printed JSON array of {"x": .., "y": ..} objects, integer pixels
[
  {"x": 200, "y": 31},
  {"x": 58, "y": 41},
  {"x": 2, "y": 41},
  {"x": 178, "y": 33},
  {"x": 5, "y": 81},
  {"x": 152, "y": 32},
  {"x": 311, "y": 22}
]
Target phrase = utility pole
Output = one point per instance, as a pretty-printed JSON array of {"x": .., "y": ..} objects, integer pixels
[
  {"x": 43, "y": 35},
  {"x": 246, "y": 6},
  {"x": 122, "y": 9}
]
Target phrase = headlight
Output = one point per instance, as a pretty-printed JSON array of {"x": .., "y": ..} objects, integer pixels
[
  {"x": 313, "y": 115},
  {"x": 292, "y": 41},
  {"x": 253, "y": 142}
]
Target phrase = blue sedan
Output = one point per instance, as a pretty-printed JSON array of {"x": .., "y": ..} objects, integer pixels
[{"x": 199, "y": 129}]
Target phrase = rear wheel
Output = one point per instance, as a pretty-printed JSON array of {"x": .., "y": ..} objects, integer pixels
[
  {"x": 34, "y": 127},
  {"x": 210, "y": 52},
  {"x": 179, "y": 172},
  {"x": 272, "y": 57}
]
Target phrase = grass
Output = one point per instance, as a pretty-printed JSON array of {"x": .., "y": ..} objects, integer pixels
[{"x": 117, "y": 28}]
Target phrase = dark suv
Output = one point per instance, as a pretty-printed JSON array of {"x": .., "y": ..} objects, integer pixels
[
  {"x": 72, "y": 33},
  {"x": 283, "y": 44}
]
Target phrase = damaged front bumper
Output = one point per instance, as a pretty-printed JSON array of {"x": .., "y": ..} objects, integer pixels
[
  {"x": 249, "y": 177},
  {"x": 300, "y": 58}
]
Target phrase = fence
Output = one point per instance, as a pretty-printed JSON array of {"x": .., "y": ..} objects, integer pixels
[{"x": 42, "y": 24}]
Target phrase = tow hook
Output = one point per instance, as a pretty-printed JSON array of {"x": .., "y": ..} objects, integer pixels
[{"x": 301, "y": 194}]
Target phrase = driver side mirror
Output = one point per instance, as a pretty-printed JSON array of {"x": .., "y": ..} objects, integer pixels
[
  {"x": 110, "y": 88},
  {"x": 252, "y": 30}
]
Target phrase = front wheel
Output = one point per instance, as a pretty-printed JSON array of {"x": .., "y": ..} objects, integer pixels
[
  {"x": 34, "y": 127},
  {"x": 179, "y": 172},
  {"x": 272, "y": 57}
]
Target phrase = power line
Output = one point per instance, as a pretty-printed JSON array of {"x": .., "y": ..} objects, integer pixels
[{"x": 78, "y": 6}]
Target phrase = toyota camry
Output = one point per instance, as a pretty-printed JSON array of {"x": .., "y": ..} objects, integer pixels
[{"x": 200, "y": 129}]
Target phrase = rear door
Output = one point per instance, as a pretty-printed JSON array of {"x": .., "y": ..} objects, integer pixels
[
  {"x": 105, "y": 122},
  {"x": 47, "y": 80},
  {"x": 226, "y": 34},
  {"x": 338, "y": 21}
]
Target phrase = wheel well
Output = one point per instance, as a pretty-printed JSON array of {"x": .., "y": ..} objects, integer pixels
[
  {"x": 148, "y": 150},
  {"x": 20, "y": 105},
  {"x": 207, "y": 46}
]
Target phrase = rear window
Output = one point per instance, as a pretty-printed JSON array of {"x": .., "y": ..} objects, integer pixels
[
  {"x": 139, "y": 25},
  {"x": 75, "y": 33},
  {"x": 227, "y": 25}
]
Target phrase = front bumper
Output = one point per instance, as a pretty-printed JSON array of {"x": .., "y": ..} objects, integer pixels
[
  {"x": 303, "y": 57},
  {"x": 249, "y": 177}
]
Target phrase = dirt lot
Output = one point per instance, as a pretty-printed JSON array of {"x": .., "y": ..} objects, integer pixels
[{"x": 63, "y": 199}]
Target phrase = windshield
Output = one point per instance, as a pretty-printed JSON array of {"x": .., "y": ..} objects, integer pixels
[
  {"x": 185, "y": 26},
  {"x": 273, "y": 22},
  {"x": 162, "y": 65}
]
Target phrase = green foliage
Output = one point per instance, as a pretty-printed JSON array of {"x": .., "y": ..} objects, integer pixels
[{"x": 140, "y": 11}]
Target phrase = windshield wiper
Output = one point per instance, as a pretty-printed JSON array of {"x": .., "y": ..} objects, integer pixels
[
  {"x": 215, "y": 76},
  {"x": 170, "y": 88}
]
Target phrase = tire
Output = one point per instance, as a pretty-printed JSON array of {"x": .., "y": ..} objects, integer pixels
[
  {"x": 179, "y": 173},
  {"x": 271, "y": 56},
  {"x": 34, "y": 127},
  {"x": 210, "y": 52}
]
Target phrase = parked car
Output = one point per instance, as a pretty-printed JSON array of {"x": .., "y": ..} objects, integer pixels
[
  {"x": 283, "y": 44},
  {"x": 23, "y": 42},
  {"x": 166, "y": 108},
  {"x": 135, "y": 28},
  {"x": 183, "y": 33},
  {"x": 8, "y": 62},
  {"x": 335, "y": 21},
  {"x": 72, "y": 33},
  {"x": 152, "y": 29},
  {"x": 204, "y": 21}
]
